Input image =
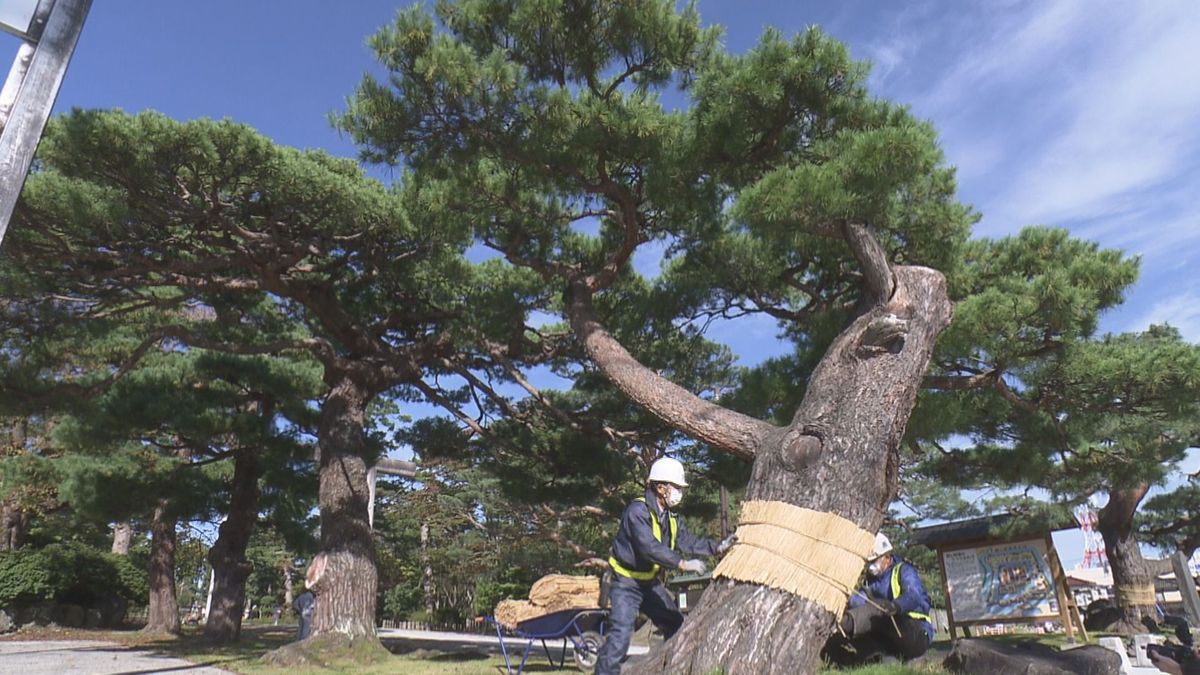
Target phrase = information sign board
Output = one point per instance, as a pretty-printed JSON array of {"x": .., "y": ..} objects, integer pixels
[{"x": 1000, "y": 582}]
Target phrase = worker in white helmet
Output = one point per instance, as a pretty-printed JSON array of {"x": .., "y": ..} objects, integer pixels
[
  {"x": 650, "y": 539},
  {"x": 888, "y": 617}
]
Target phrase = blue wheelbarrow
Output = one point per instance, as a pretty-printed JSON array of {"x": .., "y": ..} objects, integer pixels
[{"x": 582, "y": 628}]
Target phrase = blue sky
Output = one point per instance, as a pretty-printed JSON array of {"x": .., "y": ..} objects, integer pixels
[{"x": 1059, "y": 112}]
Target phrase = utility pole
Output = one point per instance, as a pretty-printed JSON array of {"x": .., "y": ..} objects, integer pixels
[{"x": 50, "y": 29}]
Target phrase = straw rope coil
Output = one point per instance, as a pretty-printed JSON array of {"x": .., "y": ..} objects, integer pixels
[{"x": 812, "y": 554}]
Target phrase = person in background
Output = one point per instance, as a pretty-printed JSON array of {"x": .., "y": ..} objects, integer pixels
[
  {"x": 888, "y": 617},
  {"x": 651, "y": 538},
  {"x": 304, "y": 604}
]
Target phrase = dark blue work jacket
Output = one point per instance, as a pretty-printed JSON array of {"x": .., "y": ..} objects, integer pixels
[
  {"x": 901, "y": 584},
  {"x": 635, "y": 547}
]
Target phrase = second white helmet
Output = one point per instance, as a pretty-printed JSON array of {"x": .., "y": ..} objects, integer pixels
[
  {"x": 883, "y": 546},
  {"x": 667, "y": 470}
]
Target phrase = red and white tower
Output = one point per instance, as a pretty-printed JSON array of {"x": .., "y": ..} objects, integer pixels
[{"x": 1094, "y": 554}]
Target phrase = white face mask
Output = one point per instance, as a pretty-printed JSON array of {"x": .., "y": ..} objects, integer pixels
[
  {"x": 674, "y": 496},
  {"x": 876, "y": 567}
]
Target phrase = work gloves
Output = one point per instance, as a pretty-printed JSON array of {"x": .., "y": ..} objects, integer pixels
[
  {"x": 726, "y": 544},
  {"x": 694, "y": 566},
  {"x": 857, "y": 620},
  {"x": 888, "y": 607}
]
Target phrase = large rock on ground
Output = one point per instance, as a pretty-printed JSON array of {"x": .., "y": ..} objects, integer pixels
[
  {"x": 988, "y": 657},
  {"x": 112, "y": 611},
  {"x": 6, "y": 622},
  {"x": 68, "y": 615}
]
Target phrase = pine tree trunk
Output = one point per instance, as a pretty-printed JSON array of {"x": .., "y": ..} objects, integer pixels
[
  {"x": 839, "y": 455},
  {"x": 163, "y": 613},
  {"x": 426, "y": 572},
  {"x": 13, "y": 524},
  {"x": 122, "y": 537},
  {"x": 14, "y": 521},
  {"x": 1132, "y": 577},
  {"x": 345, "y": 592},
  {"x": 228, "y": 554},
  {"x": 288, "y": 592}
]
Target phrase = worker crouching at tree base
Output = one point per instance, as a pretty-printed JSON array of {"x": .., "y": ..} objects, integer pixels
[
  {"x": 888, "y": 617},
  {"x": 650, "y": 538}
]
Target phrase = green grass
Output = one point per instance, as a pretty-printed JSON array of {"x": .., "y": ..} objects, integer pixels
[{"x": 245, "y": 656}]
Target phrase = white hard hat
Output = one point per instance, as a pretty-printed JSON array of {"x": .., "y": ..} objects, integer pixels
[
  {"x": 667, "y": 470},
  {"x": 883, "y": 546}
]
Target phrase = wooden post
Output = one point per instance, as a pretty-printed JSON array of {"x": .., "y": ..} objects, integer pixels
[
  {"x": 1187, "y": 588},
  {"x": 39, "y": 87},
  {"x": 1060, "y": 586},
  {"x": 724, "y": 512},
  {"x": 941, "y": 556}
]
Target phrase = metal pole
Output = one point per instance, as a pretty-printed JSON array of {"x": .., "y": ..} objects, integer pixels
[
  {"x": 39, "y": 87},
  {"x": 1187, "y": 588},
  {"x": 20, "y": 66}
]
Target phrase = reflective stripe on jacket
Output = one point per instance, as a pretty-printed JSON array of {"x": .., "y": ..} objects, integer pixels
[
  {"x": 657, "y": 529},
  {"x": 896, "y": 594},
  {"x": 901, "y": 584}
]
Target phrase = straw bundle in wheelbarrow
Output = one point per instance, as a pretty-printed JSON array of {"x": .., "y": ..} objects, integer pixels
[
  {"x": 562, "y": 591},
  {"x": 550, "y": 594}
]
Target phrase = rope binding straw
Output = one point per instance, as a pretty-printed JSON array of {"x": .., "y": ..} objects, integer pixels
[{"x": 812, "y": 554}]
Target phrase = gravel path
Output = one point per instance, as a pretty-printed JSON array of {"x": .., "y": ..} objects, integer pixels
[
  {"x": 462, "y": 642},
  {"x": 91, "y": 657}
]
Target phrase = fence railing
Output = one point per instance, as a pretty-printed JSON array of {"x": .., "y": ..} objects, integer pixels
[{"x": 477, "y": 626}]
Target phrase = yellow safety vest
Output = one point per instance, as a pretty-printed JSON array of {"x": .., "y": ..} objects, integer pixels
[
  {"x": 654, "y": 526},
  {"x": 896, "y": 593}
]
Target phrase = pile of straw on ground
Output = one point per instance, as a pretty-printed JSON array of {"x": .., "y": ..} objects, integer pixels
[{"x": 552, "y": 593}]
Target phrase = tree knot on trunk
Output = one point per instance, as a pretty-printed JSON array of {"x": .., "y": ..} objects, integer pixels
[
  {"x": 884, "y": 334},
  {"x": 801, "y": 447}
]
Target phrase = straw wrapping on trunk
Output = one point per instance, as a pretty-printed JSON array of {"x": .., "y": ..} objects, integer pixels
[
  {"x": 1138, "y": 595},
  {"x": 812, "y": 554}
]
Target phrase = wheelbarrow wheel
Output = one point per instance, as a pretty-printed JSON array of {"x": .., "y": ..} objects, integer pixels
[{"x": 587, "y": 650}]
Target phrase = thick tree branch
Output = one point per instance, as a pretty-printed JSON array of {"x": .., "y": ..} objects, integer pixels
[
  {"x": 877, "y": 272},
  {"x": 733, "y": 432}
]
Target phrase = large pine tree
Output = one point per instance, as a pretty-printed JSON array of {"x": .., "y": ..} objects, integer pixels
[{"x": 556, "y": 133}]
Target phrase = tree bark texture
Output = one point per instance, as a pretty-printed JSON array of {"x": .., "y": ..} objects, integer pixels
[
  {"x": 1131, "y": 572},
  {"x": 228, "y": 554},
  {"x": 345, "y": 592},
  {"x": 163, "y": 613},
  {"x": 839, "y": 455},
  {"x": 122, "y": 537}
]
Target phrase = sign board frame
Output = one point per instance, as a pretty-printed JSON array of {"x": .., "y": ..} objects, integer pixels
[{"x": 1067, "y": 614}]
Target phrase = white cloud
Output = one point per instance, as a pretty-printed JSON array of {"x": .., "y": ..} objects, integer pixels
[
  {"x": 1135, "y": 120},
  {"x": 1181, "y": 310},
  {"x": 999, "y": 46}
]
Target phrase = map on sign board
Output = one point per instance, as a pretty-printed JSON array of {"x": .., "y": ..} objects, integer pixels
[
  {"x": 1005, "y": 581},
  {"x": 16, "y": 15}
]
